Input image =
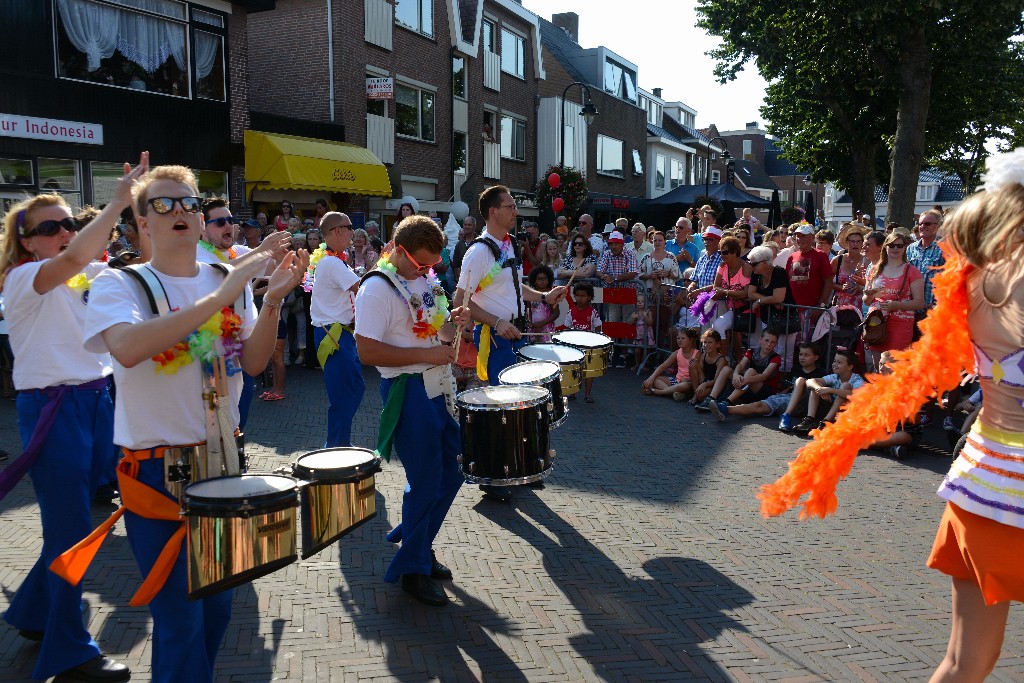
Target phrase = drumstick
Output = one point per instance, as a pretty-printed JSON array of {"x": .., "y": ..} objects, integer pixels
[
  {"x": 568, "y": 285},
  {"x": 465, "y": 304}
]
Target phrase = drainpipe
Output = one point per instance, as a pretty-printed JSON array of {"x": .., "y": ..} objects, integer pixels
[{"x": 330, "y": 60}]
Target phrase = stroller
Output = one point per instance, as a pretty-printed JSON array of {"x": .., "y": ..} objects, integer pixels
[{"x": 840, "y": 325}]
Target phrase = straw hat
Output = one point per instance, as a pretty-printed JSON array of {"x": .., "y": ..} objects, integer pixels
[{"x": 851, "y": 229}]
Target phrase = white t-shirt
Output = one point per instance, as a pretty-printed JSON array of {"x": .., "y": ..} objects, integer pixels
[
  {"x": 332, "y": 301},
  {"x": 383, "y": 315},
  {"x": 46, "y": 331},
  {"x": 499, "y": 297},
  {"x": 204, "y": 256},
  {"x": 157, "y": 409},
  {"x": 783, "y": 258}
]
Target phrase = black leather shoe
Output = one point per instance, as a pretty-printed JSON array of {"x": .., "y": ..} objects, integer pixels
[
  {"x": 99, "y": 669},
  {"x": 34, "y": 636},
  {"x": 423, "y": 588},
  {"x": 500, "y": 493},
  {"x": 438, "y": 570}
]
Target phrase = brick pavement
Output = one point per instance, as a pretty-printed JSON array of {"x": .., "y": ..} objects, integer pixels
[{"x": 644, "y": 559}]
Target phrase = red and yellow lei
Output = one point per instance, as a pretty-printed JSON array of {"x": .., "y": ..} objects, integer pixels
[{"x": 218, "y": 336}]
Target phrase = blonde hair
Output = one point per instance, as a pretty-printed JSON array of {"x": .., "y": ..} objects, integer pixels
[
  {"x": 12, "y": 252},
  {"x": 986, "y": 226},
  {"x": 884, "y": 260},
  {"x": 180, "y": 174}
]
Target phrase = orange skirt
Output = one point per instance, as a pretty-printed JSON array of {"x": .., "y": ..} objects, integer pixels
[{"x": 975, "y": 548}]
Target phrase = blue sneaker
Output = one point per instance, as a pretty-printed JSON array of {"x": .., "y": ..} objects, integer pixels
[
  {"x": 786, "y": 422},
  {"x": 704, "y": 405},
  {"x": 719, "y": 409}
]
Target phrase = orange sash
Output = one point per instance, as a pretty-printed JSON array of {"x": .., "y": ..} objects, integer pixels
[{"x": 143, "y": 501}]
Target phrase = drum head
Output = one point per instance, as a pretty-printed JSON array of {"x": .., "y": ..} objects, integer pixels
[
  {"x": 559, "y": 353},
  {"x": 531, "y": 372},
  {"x": 506, "y": 397},
  {"x": 239, "y": 487},
  {"x": 335, "y": 464},
  {"x": 582, "y": 338}
]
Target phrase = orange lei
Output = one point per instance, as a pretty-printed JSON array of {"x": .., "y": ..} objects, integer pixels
[{"x": 927, "y": 368}]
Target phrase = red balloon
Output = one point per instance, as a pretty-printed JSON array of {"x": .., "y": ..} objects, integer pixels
[
  {"x": 554, "y": 180},
  {"x": 557, "y": 204}
]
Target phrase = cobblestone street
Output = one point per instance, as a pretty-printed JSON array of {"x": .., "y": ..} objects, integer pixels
[{"x": 644, "y": 559}]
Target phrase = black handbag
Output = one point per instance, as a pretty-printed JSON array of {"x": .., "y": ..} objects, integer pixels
[{"x": 785, "y": 319}]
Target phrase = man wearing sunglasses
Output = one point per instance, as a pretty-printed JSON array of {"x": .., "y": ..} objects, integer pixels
[
  {"x": 160, "y": 409},
  {"x": 925, "y": 254},
  {"x": 490, "y": 270}
]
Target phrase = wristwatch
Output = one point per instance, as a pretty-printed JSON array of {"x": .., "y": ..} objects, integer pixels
[{"x": 543, "y": 297}]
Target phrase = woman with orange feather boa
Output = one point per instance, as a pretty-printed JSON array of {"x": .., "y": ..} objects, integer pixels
[{"x": 977, "y": 323}]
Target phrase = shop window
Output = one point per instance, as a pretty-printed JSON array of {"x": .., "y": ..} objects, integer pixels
[
  {"x": 460, "y": 152},
  {"x": 513, "y": 138},
  {"x": 15, "y": 171},
  {"x": 459, "y": 76},
  {"x": 63, "y": 177},
  {"x": 414, "y": 112},
  {"x": 609, "y": 156},
  {"x": 660, "y": 167},
  {"x": 513, "y": 54},
  {"x": 416, "y": 15}
]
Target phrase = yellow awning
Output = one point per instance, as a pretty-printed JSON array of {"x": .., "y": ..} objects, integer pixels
[{"x": 288, "y": 162}]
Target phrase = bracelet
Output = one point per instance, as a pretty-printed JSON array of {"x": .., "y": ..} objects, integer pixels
[{"x": 272, "y": 306}]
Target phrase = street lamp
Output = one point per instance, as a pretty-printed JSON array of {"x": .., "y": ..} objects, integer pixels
[
  {"x": 588, "y": 112},
  {"x": 707, "y": 162}
]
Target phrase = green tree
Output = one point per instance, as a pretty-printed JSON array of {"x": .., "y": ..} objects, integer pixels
[{"x": 874, "y": 65}]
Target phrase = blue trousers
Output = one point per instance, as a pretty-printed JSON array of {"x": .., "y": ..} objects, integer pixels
[
  {"x": 343, "y": 377},
  {"x": 428, "y": 441},
  {"x": 503, "y": 353},
  {"x": 76, "y": 457},
  {"x": 245, "y": 400},
  {"x": 186, "y": 633}
]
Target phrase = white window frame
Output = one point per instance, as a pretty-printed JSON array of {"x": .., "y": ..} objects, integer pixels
[
  {"x": 423, "y": 8},
  {"x": 673, "y": 180},
  {"x": 520, "y": 53},
  {"x": 517, "y": 137},
  {"x": 601, "y": 157},
  {"x": 660, "y": 171},
  {"x": 716, "y": 177},
  {"x": 748, "y": 148},
  {"x": 420, "y": 92},
  {"x": 638, "y": 164}
]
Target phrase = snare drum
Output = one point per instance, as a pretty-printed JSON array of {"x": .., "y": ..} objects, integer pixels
[
  {"x": 568, "y": 358},
  {"x": 339, "y": 496},
  {"x": 539, "y": 374},
  {"x": 239, "y": 528},
  {"x": 505, "y": 434},
  {"x": 596, "y": 348}
]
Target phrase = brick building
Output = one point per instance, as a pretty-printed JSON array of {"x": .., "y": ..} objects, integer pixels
[
  {"x": 97, "y": 91},
  {"x": 612, "y": 150},
  {"x": 458, "y": 82}
]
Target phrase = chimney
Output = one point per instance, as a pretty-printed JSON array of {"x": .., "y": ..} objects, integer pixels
[
  {"x": 656, "y": 92},
  {"x": 568, "y": 22},
  {"x": 752, "y": 125}
]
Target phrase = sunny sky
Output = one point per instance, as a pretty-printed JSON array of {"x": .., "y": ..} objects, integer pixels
[{"x": 662, "y": 40}]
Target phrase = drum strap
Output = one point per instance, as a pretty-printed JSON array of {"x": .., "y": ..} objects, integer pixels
[{"x": 143, "y": 501}]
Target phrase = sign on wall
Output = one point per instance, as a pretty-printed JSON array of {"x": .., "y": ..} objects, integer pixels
[
  {"x": 380, "y": 88},
  {"x": 55, "y": 130}
]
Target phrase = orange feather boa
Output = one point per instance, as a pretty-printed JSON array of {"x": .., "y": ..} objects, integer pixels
[{"x": 927, "y": 368}]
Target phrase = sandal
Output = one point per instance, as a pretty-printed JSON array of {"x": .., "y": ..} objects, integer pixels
[{"x": 271, "y": 396}]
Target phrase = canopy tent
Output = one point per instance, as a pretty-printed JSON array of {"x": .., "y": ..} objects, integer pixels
[
  {"x": 289, "y": 162},
  {"x": 723, "y": 192}
]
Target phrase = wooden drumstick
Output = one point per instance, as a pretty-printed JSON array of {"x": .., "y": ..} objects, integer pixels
[
  {"x": 568, "y": 285},
  {"x": 465, "y": 304}
]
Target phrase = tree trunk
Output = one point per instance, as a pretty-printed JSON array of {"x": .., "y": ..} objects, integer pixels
[
  {"x": 915, "y": 74},
  {"x": 864, "y": 176}
]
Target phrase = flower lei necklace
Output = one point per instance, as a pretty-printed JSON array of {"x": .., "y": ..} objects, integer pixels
[
  {"x": 80, "y": 283},
  {"x": 318, "y": 254},
  {"x": 429, "y": 311},
  {"x": 218, "y": 336},
  {"x": 488, "y": 279},
  {"x": 216, "y": 252}
]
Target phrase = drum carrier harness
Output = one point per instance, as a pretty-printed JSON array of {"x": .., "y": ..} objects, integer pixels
[{"x": 520, "y": 319}]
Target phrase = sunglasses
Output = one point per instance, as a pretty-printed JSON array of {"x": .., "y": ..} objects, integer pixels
[
  {"x": 221, "y": 222},
  {"x": 164, "y": 205},
  {"x": 51, "y": 228},
  {"x": 419, "y": 266},
  {"x": 578, "y": 244},
  {"x": 897, "y": 246}
]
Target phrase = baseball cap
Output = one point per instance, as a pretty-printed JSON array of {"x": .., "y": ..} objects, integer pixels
[
  {"x": 805, "y": 229},
  {"x": 712, "y": 231},
  {"x": 616, "y": 236},
  {"x": 251, "y": 223}
]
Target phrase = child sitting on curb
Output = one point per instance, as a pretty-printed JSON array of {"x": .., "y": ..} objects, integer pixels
[
  {"x": 672, "y": 378},
  {"x": 808, "y": 357},
  {"x": 756, "y": 376},
  {"x": 834, "y": 389},
  {"x": 712, "y": 371}
]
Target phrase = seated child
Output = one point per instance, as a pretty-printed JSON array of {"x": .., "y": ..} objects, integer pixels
[
  {"x": 672, "y": 378},
  {"x": 543, "y": 316},
  {"x": 808, "y": 357},
  {"x": 834, "y": 389},
  {"x": 712, "y": 371},
  {"x": 756, "y": 376},
  {"x": 583, "y": 316},
  {"x": 643, "y": 318}
]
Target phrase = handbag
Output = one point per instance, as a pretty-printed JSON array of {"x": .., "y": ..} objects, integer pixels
[
  {"x": 785, "y": 319},
  {"x": 875, "y": 325}
]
